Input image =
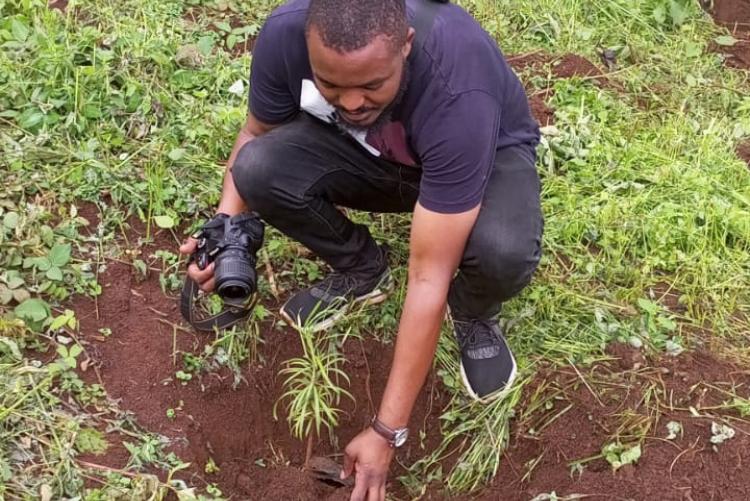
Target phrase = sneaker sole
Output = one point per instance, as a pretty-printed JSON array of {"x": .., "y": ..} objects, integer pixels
[
  {"x": 495, "y": 395},
  {"x": 377, "y": 296},
  {"x": 492, "y": 396}
]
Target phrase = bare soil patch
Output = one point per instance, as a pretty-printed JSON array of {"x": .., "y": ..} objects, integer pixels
[
  {"x": 735, "y": 15},
  {"x": 563, "y": 66},
  {"x": 623, "y": 399},
  {"x": 543, "y": 113},
  {"x": 213, "y": 420},
  {"x": 743, "y": 151},
  {"x": 60, "y": 5}
]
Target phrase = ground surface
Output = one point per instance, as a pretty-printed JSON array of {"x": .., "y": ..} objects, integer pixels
[
  {"x": 600, "y": 335},
  {"x": 624, "y": 395}
]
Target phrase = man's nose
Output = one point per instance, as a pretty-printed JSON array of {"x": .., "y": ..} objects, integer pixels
[{"x": 351, "y": 101}]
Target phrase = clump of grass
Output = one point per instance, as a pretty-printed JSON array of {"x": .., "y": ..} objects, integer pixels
[{"x": 313, "y": 388}]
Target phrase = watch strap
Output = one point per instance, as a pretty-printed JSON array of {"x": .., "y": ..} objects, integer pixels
[{"x": 384, "y": 431}]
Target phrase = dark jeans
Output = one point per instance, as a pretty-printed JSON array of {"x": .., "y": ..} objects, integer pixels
[{"x": 295, "y": 175}]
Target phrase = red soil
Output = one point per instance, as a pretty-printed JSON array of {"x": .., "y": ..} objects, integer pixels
[
  {"x": 233, "y": 426},
  {"x": 735, "y": 15}
]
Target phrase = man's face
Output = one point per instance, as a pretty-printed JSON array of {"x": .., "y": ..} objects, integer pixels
[{"x": 360, "y": 84}]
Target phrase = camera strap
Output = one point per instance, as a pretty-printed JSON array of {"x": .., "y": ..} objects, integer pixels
[{"x": 222, "y": 320}]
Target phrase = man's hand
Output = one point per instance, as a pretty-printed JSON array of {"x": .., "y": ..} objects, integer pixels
[
  {"x": 368, "y": 455},
  {"x": 204, "y": 278}
]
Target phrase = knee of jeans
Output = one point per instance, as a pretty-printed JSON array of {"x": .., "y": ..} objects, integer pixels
[
  {"x": 506, "y": 262},
  {"x": 256, "y": 174}
]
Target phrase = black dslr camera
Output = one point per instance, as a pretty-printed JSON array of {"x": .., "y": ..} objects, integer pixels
[{"x": 232, "y": 243}]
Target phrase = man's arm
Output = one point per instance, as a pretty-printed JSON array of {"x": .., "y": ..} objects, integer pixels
[
  {"x": 437, "y": 244},
  {"x": 231, "y": 202}
]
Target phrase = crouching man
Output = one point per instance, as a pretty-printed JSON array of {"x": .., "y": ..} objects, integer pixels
[{"x": 393, "y": 106}]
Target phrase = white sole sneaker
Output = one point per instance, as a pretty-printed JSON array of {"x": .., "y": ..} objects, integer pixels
[
  {"x": 376, "y": 296},
  {"x": 492, "y": 396}
]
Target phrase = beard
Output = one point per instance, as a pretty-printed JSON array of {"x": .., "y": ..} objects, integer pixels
[{"x": 386, "y": 115}]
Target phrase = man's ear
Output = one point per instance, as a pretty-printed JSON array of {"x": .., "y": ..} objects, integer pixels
[{"x": 406, "y": 50}]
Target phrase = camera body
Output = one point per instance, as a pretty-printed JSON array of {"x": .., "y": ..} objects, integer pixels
[{"x": 232, "y": 242}]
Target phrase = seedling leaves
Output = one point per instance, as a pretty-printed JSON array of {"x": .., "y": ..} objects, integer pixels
[
  {"x": 59, "y": 256},
  {"x": 726, "y": 40},
  {"x": 32, "y": 310},
  {"x": 720, "y": 433},
  {"x": 165, "y": 222}
]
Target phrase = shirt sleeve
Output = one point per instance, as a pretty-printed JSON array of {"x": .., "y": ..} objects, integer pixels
[
  {"x": 456, "y": 146},
  {"x": 271, "y": 98}
]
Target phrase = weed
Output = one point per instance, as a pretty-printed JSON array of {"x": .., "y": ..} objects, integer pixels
[
  {"x": 619, "y": 455},
  {"x": 720, "y": 433},
  {"x": 91, "y": 440},
  {"x": 312, "y": 387}
]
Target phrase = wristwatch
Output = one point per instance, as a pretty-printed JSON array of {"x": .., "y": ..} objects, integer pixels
[{"x": 396, "y": 438}]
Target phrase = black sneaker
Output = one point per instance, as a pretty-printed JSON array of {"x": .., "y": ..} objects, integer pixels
[
  {"x": 322, "y": 305},
  {"x": 487, "y": 364}
]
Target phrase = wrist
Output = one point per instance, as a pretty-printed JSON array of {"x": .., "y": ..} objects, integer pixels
[
  {"x": 229, "y": 209},
  {"x": 394, "y": 437}
]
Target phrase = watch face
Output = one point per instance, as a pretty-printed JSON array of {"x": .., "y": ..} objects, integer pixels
[{"x": 400, "y": 437}]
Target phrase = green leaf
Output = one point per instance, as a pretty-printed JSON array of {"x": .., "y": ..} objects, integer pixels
[
  {"x": 8, "y": 345},
  {"x": 66, "y": 318},
  {"x": 55, "y": 273},
  {"x": 205, "y": 45},
  {"x": 232, "y": 41},
  {"x": 6, "y": 295},
  {"x": 177, "y": 154},
  {"x": 20, "y": 30},
  {"x": 58, "y": 322},
  {"x": 59, "y": 255},
  {"x": 30, "y": 118},
  {"x": 648, "y": 306},
  {"x": 42, "y": 263},
  {"x": 91, "y": 111},
  {"x": 15, "y": 282},
  {"x": 223, "y": 26},
  {"x": 141, "y": 266},
  {"x": 679, "y": 12},
  {"x": 631, "y": 455},
  {"x": 74, "y": 351},
  {"x": 726, "y": 40},
  {"x": 34, "y": 310},
  {"x": 90, "y": 440},
  {"x": 165, "y": 222},
  {"x": 659, "y": 14},
  {"x": 10, "y": 220}
]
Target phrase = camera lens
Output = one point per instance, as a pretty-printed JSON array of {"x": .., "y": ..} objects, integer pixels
[
  {"x": 232, "y": 289},
  {"x": 234, "y": 275}
]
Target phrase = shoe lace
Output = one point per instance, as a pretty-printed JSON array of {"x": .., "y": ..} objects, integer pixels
[{"x": 479, "y": 335}]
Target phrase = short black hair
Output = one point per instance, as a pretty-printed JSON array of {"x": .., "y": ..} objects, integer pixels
[{"x": 349, "y": 25}]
